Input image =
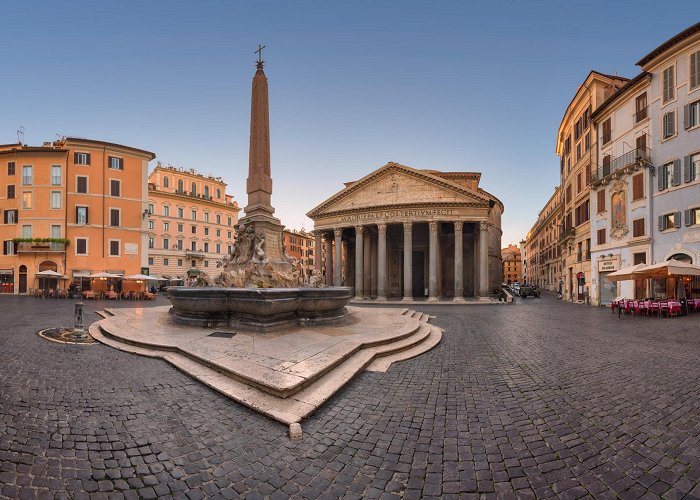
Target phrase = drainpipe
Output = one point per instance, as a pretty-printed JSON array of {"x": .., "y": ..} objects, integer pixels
[{"x": 104, "y": 178}]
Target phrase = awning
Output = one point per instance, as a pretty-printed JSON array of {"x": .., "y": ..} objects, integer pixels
[
  {"x": 105, "y": 275},
  {"x": 193, "y": 271},
  {"x": 50, "y": 274},
  {"x": 143, "y": 277}
]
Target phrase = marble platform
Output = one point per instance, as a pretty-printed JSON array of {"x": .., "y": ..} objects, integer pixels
[{"x": 285, "y": 375}]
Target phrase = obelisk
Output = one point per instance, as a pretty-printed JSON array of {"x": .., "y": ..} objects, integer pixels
[{"x": 259, "y": 210}]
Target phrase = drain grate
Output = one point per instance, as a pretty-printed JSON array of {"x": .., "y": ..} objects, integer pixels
[{"x": 222, "y": 335}]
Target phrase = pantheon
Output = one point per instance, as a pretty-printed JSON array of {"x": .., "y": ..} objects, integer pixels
[{"x": 403, "y": 233}]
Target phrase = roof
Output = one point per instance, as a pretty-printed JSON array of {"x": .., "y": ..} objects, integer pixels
[
  {"x": 81, "y": 140},
  {"x": 32, "y": 149},
  {"x": 695, "y": 28},
  {"x": 607, "y": 102}
]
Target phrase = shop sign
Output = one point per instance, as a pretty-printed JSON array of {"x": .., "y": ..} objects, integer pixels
[{"x": 609, "y": 265}]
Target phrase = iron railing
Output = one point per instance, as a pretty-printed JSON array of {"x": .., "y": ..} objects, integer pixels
[{"x": 635, "y": 156}]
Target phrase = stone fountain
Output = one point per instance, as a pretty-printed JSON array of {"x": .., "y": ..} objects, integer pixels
[{"x": 259, "y": 288}]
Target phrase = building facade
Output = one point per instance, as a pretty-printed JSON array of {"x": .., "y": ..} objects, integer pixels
[
  {"x": 405, "y": 233},
  {"x": 620, "y": 190},
  {"x": 512, "y": 264},
  {"x": 544, "y": 262},
  {"x": 575, "y": 148},
  {"x": 74, "y": 206},
  {"x": 301, "y": 245},
  {"x": 192, "y": 223}
]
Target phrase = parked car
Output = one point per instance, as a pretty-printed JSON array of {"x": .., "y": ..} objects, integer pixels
[
  {"x": 515, "y": 288},
  {"x": 529, "y": 291}
]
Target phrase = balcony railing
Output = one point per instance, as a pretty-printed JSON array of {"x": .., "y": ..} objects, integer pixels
[
  {"x": 26, "y": 247},
  {"x": 635, "y": 156},
  {"x": 194, "y": 254}
]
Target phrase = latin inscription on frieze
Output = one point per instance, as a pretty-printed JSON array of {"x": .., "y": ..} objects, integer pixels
[{"x": 398, "y": 214}]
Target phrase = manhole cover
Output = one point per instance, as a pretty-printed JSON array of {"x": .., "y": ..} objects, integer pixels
[
  {"x": 222, "y": 335},
  {"x": 64, "y": 335}
]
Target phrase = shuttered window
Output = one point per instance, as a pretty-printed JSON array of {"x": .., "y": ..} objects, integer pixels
[
  {"x": 691, "y": 114},
  {"x": 601, "y": 236},
  {"x": 114, "y": 217},
  {"x": 11, "y": 168},
  {"x": 601, "y": 201},
  {"x": 10, "y": 216},
  {"x": 637, "y": 228},
  {"x": 113, "y": 247},
  {"x": 694, "y": 70},
  {"x": 115, "y": 163},
  {"x": 81, "y": 246},
  {"x": 81, "y": 158},
  {"x": 81, "y": 184},
  {"x": 115, "y": 187},
  {"x": 669, "y": 124},
  {"x": 607, "y": 131},
  {"x": 641, "y": 108},
  {"x": 81, "y": 215},
  {"x": 10, "y": 191},
  {"x": 638, "y": 187},
  {"x": 669, "y": 84}
]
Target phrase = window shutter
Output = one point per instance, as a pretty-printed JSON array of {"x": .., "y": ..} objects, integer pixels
[
  {"x": 688, "y": 217},
  {"x": 87, "y": 162},
  {"x": 686, "y": 116},
  {"x": 677, "y": 219},
  {"x": 694, "y": 69},
  {"x": 686, "y": 169},
  {"x": 661, "y": 223},
  {"x": 661, "y": 176},
  {"x": 75, "y": 158},
  {"x": 87, "y": 213},
  {"x": 121, "y": 163},
  {"x": 676, "y": 172}
]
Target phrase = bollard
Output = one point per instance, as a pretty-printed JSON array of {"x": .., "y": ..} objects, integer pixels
[{"x": 78, "y": 330}]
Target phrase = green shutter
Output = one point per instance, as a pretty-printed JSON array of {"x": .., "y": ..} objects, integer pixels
[
  {"x": 687, "y": 177},
  {"x": 676, "y": 172}
]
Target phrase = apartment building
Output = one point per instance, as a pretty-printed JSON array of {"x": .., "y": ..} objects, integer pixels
[
  {"x": 575, "y": 147},
  {"x": 301, "y": 245},
  {"x": 192, "y": 223},
  {"x": 543, "y": 261},
  {"x": 512, "y": 264},
  {"x": 74, "y": 206}
]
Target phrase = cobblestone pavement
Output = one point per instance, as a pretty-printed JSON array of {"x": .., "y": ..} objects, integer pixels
[{"x": 537, "y": 399}]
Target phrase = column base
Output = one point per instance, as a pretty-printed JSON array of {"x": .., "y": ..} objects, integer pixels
[
  {"x": 381, "y": 299},
  {"x": 433, "y": 299},
  {"x": 358, "y": 297},
  {"x": 407, "y": 299},
  {"x": 460, "y": 300},
  {"x": 485, "y": 299}
]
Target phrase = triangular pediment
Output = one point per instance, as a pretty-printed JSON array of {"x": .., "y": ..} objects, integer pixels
[{"x": 397, "y": 185}]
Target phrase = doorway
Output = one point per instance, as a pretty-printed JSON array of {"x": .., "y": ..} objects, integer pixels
[
  {"x": 22, "y": 279},
  {"x": 418, "y": 273}
]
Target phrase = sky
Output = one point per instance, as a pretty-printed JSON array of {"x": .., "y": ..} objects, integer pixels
[{"x": 454, "y": 86}]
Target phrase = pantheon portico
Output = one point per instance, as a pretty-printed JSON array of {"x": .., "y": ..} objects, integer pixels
[{"x": 405, "y": 233}]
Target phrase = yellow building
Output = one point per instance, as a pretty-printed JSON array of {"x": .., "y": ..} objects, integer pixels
[
  {"x": 512, "y": 265},
  {"x": 192, "y": 223},
  {"x": 575, "y": 146},
  {"x": 74, "y": 206}
]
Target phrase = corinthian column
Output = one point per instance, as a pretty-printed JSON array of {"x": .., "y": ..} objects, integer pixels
[
  {"x": 459, "y": 262},
  {"x": 381, "y": 264},
  {"x": 337, "y": 257},
  {"x": 318, "y": 252},
  {"x": 432, "y": 266},
  {"x": 408, "y": 261},
  {"x": 329, "y": 259},
  {"x": 359, "y": 261},
  {"x": 483, "y": 259}
]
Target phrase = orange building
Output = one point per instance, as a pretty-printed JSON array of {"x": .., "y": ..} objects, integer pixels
[
  {"x": 512, "y": 264},
  {"x": 192, "y": 224},
  {"x": 301, "y": 245},
  {"x": 74, "y": 206}
]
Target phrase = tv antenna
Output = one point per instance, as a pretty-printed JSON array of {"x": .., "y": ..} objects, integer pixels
[{"x": 20, "y": 134}]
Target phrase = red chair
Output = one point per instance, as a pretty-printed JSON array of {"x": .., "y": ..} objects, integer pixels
[
  {"x": 639, "y": 307},
  {"x": 674, "y": 308}
]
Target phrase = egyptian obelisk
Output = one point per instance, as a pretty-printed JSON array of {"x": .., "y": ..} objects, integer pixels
[{"x": 259, "y": 210}]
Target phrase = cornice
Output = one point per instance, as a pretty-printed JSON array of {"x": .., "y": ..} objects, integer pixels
[
  {"x": 402, "y": 207},
  {"x": 192, "y": 201}
]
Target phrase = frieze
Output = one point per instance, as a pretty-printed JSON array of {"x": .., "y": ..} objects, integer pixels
[{"x": 397, "y": 214}]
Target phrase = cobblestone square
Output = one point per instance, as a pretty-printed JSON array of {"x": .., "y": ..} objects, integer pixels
[{"x": 533, "y": 400}]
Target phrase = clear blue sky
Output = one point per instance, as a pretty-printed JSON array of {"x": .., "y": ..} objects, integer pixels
[{"x": 476, "y": 86}]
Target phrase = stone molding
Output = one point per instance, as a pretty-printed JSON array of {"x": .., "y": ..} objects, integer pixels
[
  {"x": 338, "y": 232},
  {"x": 433, "y": 226}
]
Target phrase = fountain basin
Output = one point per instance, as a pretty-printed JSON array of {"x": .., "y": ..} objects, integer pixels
[{"x": 259, "y": 309}]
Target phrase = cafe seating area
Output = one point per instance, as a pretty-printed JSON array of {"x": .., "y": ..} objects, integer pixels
[{"x": 653, "y": 308}]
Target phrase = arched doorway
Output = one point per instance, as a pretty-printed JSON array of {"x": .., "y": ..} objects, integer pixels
[
  {"x": 681, "y": 257},
  {"x": 685, "y": 286},
  {"x": 22, "y": 279}
]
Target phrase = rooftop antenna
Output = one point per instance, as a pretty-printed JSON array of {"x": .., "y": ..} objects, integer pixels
[{"x": 20, "y": 135}]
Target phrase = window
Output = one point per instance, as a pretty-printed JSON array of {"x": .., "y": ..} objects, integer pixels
[
  {"x": 206, "y": 263},
  {"x": 27, "y": 200},
  {"x": 81, "y": 215},
  {"x": 194, "y": 189},
  {"x": 27, "y": 231},
  {"x": 218, "y": 193},
  {"x": 218, "y": 219},
  {"x": 8, "y": 247},
  {"x": 81, "y": 184},
  {"x": 641, "y": 108},
  {"x": 206, "y": 231},
  {"x": 206, "y": 191},
  {"x": 588, "y": 249},
  {"x": 151, "y": 224},
  {"x": 669, "y": 175},
  {"x": 81, "y": 158},
  {"x": 55, "y": 199},
  {"x": 637, "y": 228},
  {"x": 601, "y": 236},
  {"x": 230, "y": 221},
  {"x": 692, "y": 217},
  {"x": 669, "y": 124},
  {"x": 218, "y": 248},
  {"x": 694, "y": 70},
  {"x": 81, "y": 246},
  {"x": 218, "y": 233},
  {"x": 166, "y": 182},
  {"x": 166, "y": 211},
  {"x": 179, "y": 247},
  {"x": 151, "y": 242},
  {"x": 151, "y": 209},
  {"x": 166, "y": 226},
  {"x": 181, "y": 213},
  {"x": 10, "y": 191},
  {"x": 194, "y": 246},
  {"x": 579, "y": 184},
  {"x": 150, "y": 261},
  {"x": 194, "y": 263},
  {"x": 194, "y": 229},
  {"x": 180, "y": 186},
  {"x": 10, "y": 168},
  {"x": 179, "y": 261},
  {"x": 115, "y": 163},
  {"x": 639, "y": 258},
  {"x": 607, "y": 131},
  {"x": 669, "y": 84},
  {"x": 114, "y": 217},
  {"x": 206, "y": 216},
  {"x": 579, "y": 253},
  {"x": 115, "y": 187},
  {"x": 206, "y": 246},
  {"x": 10, "y": 216},
  {"x": 600, "y": 203},
  {"x": 166, "y": 262},
  {"x": 641, "y": 143},
  {"x": 27, "y": 175},
  {"x": 166, "y": 243},
  {"x": 637, "y": 187},
  {"x": 180, "y": 228},
  {"x": 669, "y": 221},
  {"x": 692, "y": 114},
  {"x": 56, "y": 175},
  {"x": 229, "y": 235},
  {"x": 194, "y": 214},
  {"x": 691, "y": 168},
  {"x": 568, "y": 193}
]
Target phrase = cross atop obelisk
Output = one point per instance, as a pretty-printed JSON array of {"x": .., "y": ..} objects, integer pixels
[{"x": 259, "y": 186}]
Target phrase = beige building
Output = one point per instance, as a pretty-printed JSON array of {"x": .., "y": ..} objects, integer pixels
[
  {"x": 543, "y": 262},
  {"x": 576, "y": 145},
  {"x": 512, "y": 265},
  {"x": 192, "y": 223},
  {"x": 405, "y": 233}
]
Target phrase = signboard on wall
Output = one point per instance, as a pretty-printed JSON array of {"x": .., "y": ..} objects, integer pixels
[{"x": 609, "y": 264}]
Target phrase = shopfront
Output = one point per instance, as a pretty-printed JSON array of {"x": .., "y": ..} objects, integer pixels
[
  {"x": 607, "y": 289},
  {"x": 7, "y": 281}
]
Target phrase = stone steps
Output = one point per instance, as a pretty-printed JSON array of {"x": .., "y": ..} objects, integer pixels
[{"x": 299, "y": 401}]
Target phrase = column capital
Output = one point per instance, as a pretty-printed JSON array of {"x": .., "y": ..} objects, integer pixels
[
  {"x": 338, "y": 232},
  {"x": 459, "y": 226},
  {"x": 381, "y": 228},
  {"x": 359, "y": 229},
  {"x": 433, "y": 226},
  {"x": 483, "y": 225},
  {"x": 408, "y": 226}
]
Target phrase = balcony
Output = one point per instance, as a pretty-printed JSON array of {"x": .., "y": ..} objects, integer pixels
[
  {"x": 640, "y": 115},
  {"x": 634, "y": 158},
  {"x": 194, "y": 254},
  {"x": 40, "y": 247},
  {"x": 567, "y": 233}
]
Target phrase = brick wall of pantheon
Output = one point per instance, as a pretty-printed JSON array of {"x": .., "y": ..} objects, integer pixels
[{"x": 405, "y": 233}]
